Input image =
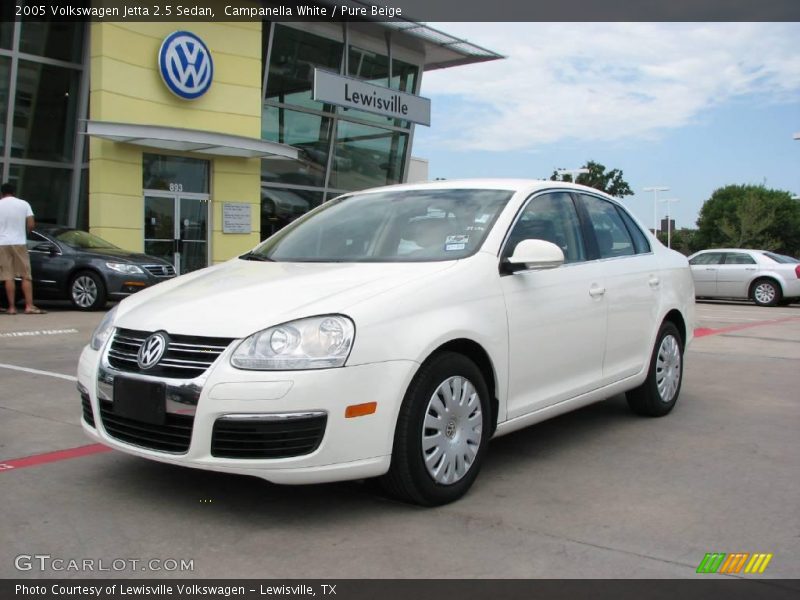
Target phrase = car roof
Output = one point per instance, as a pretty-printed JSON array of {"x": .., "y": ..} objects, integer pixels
[
  {"x": 512, "y": 185},
  {"x": 731, "y": 250}
]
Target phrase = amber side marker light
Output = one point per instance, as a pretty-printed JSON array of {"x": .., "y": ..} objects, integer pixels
[
  {"x": 360, "y": 410},
  {"x": 134, "y": 283}
]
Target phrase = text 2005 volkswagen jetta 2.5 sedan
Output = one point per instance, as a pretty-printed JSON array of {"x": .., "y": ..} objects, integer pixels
[{"x": 390, "y": 333}]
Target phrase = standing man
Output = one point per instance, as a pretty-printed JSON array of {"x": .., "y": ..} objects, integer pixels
[{"x": 16, "y": 219}]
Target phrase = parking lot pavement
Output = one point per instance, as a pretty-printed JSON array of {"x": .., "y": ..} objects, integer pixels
[{"x": 596, "y": 493}]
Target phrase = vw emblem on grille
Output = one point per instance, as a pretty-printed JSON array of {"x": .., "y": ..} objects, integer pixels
[
  {"x": 151, "y": 351},
  {"x": 185, "y": 64}
]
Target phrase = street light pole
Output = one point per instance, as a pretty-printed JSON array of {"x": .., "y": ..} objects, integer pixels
[
  {"x": 655, "y": 191},
  {"x": 669, "y": 228}
]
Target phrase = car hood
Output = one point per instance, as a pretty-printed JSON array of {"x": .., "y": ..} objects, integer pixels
[{"x": 238, "y": 298}]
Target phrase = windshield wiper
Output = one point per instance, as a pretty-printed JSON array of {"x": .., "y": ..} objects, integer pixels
[{"x": 254, "y": 256}]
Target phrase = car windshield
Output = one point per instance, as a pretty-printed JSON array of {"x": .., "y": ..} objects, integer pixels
[
  {"x": 82, "y": 240},
  {"x": 781, "y": 258},
  {"x": 391, "y": 226}
]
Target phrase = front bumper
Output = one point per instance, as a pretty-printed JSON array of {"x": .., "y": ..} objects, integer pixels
[
  {"x": 121, "y": 285},
  {"x": 350, "y": 448}
]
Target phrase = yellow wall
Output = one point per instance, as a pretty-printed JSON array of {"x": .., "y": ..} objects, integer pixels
[{"x": 126, "y": 87}]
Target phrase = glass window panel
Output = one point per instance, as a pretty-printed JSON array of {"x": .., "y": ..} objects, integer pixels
[
  {"x": 639, "y": 239},
  {"x": 83, "y": 201},
  {"x": 737, "y": 258},
  {"x": 366, "y": 156},
  {"x": 279, "y": 207},
  {"x": 7, "y": 10},
  {"x": 404, "y": 76},
  {"x": 294, "y": 56},
  {"x": 709, "y": 258},
  {"x": 174, "y": 173},
  {"x": 369, "y": 66},
  {"x": 46, "y": 189},
  {"x": 62, "y": 41},
  {"x": 612, "y": 236},
  {"x": 307, "y": 132},
  {"x": 45, "y": 112},
  {"x": 5, "y": 69},
  {"x": 553, "y": 218}
]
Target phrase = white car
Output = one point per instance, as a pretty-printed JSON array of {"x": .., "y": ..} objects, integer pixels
[
  {"x": 390, "y": 333},
  {"x": 767, "y": 278}
]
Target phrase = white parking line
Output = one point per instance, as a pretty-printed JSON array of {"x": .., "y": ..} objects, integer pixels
[
  {"x": 38, "y": 372},
  {"x": 37, "y": 332}
]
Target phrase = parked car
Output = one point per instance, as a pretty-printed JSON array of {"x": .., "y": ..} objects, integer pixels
[
  {"x": 766, "y": 278},
  {"x": 390, "y": 333},
  {"x": 70, "y": 264}
]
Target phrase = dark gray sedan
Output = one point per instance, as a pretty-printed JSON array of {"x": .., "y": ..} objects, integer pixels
[{"x": 70, "y": 264}]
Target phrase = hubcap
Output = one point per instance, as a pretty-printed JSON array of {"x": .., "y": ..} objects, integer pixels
[
  {"x": 452, "y": 430},
  {"x": 84, "y": 291},
  {"x": 765, "y": 293},
  {"x": 668, "y": 368}
]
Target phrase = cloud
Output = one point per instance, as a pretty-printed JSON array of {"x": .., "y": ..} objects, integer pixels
[{"x": 605, "y": 81}]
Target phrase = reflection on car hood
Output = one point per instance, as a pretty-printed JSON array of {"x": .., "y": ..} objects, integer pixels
[
  {"x": 120, "y": 255},
  {"x": 240, "y": 297}
]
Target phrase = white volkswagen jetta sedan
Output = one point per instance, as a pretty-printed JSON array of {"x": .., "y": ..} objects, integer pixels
[{"x": 390, "y": 333}]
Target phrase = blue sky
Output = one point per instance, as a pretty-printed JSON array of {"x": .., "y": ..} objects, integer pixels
[{"x": 689, "y": 106}]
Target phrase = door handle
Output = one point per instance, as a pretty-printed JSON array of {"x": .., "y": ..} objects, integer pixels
[
  {"x": 596, "y": 291},
  {"x": 710, "y": 269},
  {"x": 654, "y": 282}
]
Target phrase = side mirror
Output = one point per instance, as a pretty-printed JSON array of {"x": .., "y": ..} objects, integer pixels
[{"x": 534, "y": 255}]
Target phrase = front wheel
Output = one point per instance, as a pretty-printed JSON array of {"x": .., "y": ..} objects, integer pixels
[
  {"x": 87, "y": 291},
  {"x": 658, "y": 394},
  {"x": 766, "y": 293},
  {"x": 441, "y": 434}
]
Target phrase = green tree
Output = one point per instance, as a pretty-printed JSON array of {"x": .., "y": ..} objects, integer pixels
[
  {"x": 683, "y": 240},
  {"x": 750, "y": 216},
  {"x": 610, "y": 182}
]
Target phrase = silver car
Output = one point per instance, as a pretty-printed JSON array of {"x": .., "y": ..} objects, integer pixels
[{"x": 767, "y": 278}]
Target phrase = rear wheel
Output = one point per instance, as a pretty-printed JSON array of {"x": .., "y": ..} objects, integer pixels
[
  {"x": 766, "y": 292},
  {"x": 441, "y": 434},
  {"x": 658, "y": 394},
  {"x": 87, "y": 291}
]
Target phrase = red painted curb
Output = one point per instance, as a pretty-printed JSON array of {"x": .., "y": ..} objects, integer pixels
[
  {"x": 705, "y": 331},
  {"x": 49, "y": 457}
]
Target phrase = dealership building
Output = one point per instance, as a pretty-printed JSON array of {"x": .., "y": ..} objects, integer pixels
[{"x": 193, "y": 141}]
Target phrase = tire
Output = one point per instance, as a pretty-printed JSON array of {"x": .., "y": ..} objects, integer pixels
[
  {"x": 766, "y": 292},
  {"x": 658, "y": 394},
  {"x": 87, "y": 291},
  {"x": 454, "y": 461}
]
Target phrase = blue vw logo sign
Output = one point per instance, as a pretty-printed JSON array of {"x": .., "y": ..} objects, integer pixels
[{"x": 185, "y": 64}]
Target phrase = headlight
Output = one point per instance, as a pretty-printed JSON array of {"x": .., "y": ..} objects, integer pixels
[
  {"x": 103, "y": 330},
  {"x": 312, "y": 343},
  {"x": 124, "y": 268}
]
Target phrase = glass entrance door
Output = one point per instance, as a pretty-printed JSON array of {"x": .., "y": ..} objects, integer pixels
[{"x": 176, "y": 229}]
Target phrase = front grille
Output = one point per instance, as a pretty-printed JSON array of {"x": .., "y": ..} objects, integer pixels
[
  {"x": 160, "y": 271},
  {"x": 186, "y": 356},
  {"x": 173, "y": 436},
  {"x": 267, "y": 438},
  {"x": 86, "y": 405}
]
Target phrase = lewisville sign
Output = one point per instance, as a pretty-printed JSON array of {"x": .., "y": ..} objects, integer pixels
[{"x": 357, "y": 94}]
